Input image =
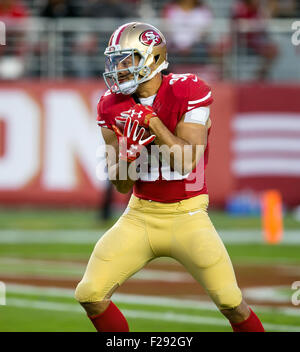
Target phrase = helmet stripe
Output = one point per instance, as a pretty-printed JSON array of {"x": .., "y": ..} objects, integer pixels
[
  {"x": 110, "y": 39},
  {"x": 118, "y": 33}
]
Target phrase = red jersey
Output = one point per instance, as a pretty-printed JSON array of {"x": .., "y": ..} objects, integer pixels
[{"x": 177, "y": 95}]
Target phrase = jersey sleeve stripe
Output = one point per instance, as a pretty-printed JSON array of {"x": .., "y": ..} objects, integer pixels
[
  {"x": 102, "y": 124},
  {"x": 200, "y": 100}
]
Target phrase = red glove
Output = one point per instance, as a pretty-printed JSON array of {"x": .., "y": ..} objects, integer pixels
[
  {"x": 140, "y": 113},
  {"x": 130, "y": 141}
]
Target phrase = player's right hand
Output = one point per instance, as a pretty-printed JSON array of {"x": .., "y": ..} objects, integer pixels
[
  {"x": 141, "y": 113},
  {"x": 130, "y": 141}
]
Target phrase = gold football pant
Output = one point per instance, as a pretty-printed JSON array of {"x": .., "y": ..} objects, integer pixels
[{"x": 148, "y": 230}]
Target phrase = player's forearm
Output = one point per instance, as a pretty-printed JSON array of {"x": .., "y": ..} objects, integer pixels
[
  {"x": 184, "y": 156},
  {"x": 119, "y": 175}
]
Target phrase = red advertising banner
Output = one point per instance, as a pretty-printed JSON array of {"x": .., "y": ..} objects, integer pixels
[
  {"x": 48, "y": 143},
  {"x": 219, "y": 177},
  {"x": 266, "y": 140}
]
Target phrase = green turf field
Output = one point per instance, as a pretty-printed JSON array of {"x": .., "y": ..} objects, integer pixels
[
  {"x": 88, "y": 219},
  {"x": 57, "y": 244}
]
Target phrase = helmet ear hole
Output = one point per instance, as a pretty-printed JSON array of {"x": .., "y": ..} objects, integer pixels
[{"x": 156, "y": 58}]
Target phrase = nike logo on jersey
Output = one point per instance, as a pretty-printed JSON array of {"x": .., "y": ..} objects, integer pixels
[{"x": 194, "y": 212}]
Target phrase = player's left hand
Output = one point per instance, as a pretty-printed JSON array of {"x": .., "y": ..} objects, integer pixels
[
  {"x": 130, "y": 141},
  {"x": 141, "y": 113}
]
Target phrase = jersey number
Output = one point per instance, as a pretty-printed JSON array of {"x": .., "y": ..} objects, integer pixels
[
  {"x": 182, "y": 77},
  {"x": 166, "y": 173}
]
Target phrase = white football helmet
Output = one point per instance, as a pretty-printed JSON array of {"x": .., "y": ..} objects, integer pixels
[{"x": 137, "y": 49}]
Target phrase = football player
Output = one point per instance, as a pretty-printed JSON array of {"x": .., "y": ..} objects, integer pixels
[{"x": 167, "y": 212}]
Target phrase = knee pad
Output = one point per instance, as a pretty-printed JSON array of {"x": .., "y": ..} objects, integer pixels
[
  {"x": 86, "y": 291},
  {"x": 227, "y": 297}
]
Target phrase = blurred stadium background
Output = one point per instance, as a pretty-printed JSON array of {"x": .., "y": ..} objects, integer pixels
[{"x": 55, "y": 201}]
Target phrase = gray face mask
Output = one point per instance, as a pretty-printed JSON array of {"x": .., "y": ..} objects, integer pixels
[{"x": 118, "y": 65}]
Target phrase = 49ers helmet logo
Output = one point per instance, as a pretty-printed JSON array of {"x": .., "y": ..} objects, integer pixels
[{"x": 148, "y": 36}]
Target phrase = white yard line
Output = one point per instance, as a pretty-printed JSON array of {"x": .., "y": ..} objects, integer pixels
[
  {"x": 44, "y": 269},
  {"x": 51, "y": 236},
  {"x": 268, "y": 293},
  {"x": 162, "y": 275},
  {"x": 92, "y": 236},
  {"x": 170, "y": 317},
  {"x": 142, "y": 300},
  {"x": 38, "y": 262},
  {"x": 256, "y": 236},
  {"x": 50, "y": 268}
]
